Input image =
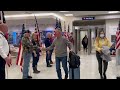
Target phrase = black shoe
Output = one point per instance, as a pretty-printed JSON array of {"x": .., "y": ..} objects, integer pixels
[
  {"x": 104, "y": 76},
  {"x": 29, "y": 77},
  {"x": 66, "y": 77},
  {"x": 36, "y": 71},
  {"x": 118, "y": 77},
  {"x": 51, "y": 62},
  {"x": 49, "y": 65},
  {"x": 101, "y": 77}
]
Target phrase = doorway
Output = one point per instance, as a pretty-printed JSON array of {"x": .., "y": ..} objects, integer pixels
[{"x": 89, "y": 28}]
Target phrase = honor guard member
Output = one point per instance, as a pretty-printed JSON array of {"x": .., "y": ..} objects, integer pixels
[
  {"x": 36, "y": 53},
  {"x": 27, "y": 53},
  {"x": 4, "y": 50}
]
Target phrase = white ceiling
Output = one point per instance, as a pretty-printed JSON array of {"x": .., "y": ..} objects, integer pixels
[{"x": 75, "y": 13}]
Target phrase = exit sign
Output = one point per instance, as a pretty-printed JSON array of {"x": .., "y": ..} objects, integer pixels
[{"x": 88, "y": 18}]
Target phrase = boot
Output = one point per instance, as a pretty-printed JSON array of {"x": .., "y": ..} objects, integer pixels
[
  {"x": 118, "y": 77},
  {"x": 101, "y": 77},
  {"x": 35, "y": 70},
  {"x": 49, "y": 65},
  {"x": 51, "y": 62},
  {"x": 66, "y": 77},
  {"x": 105, "y": 77}
]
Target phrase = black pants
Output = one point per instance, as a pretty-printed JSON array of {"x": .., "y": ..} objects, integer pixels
[
  {"x": 85, "y": 47},
  {"x": 100, "y": 61},
  {"x": 35, "y": 59},
  {"x": 2, "y": 68}
]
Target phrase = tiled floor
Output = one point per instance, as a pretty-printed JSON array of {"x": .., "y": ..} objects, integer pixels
[{"x": 89, "y": 69}]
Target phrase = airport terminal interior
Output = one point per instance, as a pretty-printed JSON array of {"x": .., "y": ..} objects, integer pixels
[{"x": 75, "y": 25}]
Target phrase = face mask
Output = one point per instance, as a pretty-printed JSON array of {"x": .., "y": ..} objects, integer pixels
[{"x": 102, "y": 35}]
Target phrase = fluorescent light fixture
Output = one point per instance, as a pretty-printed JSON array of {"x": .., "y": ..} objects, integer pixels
[
  {"x": 68, "y": 14},
  {"x": 113, "y": 12},
  {"x": 64, "y": 11},
  {"x": 34, "y": 14}
]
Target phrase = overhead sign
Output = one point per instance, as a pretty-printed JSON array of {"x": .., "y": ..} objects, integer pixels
[{"x": 88, "y": 18}]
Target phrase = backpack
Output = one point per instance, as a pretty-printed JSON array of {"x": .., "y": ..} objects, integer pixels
[{"x": 74, "y": 60}]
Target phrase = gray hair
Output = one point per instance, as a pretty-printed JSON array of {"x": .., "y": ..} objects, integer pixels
[{"x": 48, "y": 34}]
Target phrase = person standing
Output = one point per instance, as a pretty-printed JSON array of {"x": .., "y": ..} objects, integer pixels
[
  {"x": 60, "y": 43},
  {"x": 71, "y": 39},
  {"x": 51, "y": 51},
  {"x": 4, "y": 51},
  {"x": 48, "y": 53},
  {"x": 101, "y": 41},
  {"x": 85, "y": 43},
  {"x": 36, "y": 53},
  {"x": 27, "y": 53}
]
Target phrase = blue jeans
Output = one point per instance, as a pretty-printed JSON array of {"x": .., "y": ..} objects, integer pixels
[
  {"x": 64, "y": 65},
  {"x": 35, "y": 59},
  {"x": 26, "y": 57}
]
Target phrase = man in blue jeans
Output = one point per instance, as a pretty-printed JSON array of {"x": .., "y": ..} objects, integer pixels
[
  {"x": 60, "y": 43},
  {"x": 27, "y": 53}
]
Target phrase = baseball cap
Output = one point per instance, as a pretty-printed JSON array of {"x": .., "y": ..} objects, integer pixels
[
  {"x": 58, "y": 28},
  {"x": 27, "y": 31}
]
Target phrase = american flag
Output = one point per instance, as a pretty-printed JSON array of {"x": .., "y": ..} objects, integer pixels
[
  {"x": 64, "y": 26},
  {"x": 56, "y": 24},
  {"x": 65, "y": 34},
  {"x": 2, "y": 17},
  {"x": 68, "y": 28},
  {"x": 19, "y": 60},
  {"x": 118, "y": 39},
  {"x": 59, "y": 23},
  {"x": 38, "y": 32}
]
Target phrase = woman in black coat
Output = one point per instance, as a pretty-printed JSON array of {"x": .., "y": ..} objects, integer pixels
[{"x": 85, "y": 43}]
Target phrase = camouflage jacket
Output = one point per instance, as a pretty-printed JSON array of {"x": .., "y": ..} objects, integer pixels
[
  {"x": 36, "y": 46},
  {"x": 27, "y": 45}
]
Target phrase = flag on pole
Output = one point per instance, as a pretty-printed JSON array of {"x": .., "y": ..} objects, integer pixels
[
  {"x": 19, "y": 60},
  {"x": 64, "y": 26},
  {"x": 68, "y": 28},
  {"x": 68, "y": 34},
  {"x": 2, "y": 17},
  {"x": 118, "y": 46},
  {"x": 59, "y": 23},
  {"x": 118, "y": 37},
  {"x": 37, "y": 27},
  {"x": 23, "y": 30},
  {"x": 56, "y": 24}
]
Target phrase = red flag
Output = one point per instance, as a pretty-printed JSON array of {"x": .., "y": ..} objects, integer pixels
[{"x": 19, "y": 60}]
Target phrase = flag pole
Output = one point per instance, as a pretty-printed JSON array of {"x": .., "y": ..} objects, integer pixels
[
  {"x": 1, "y": 16},
  {"x": 118, "y": 51}
]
